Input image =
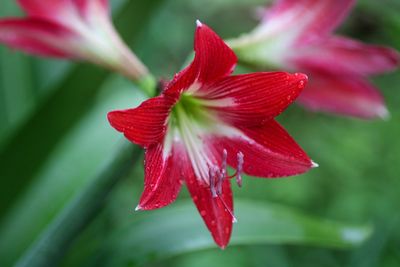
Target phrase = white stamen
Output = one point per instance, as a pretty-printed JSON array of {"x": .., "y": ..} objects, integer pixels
[
  {"x": 218, "y": 175},
  {"x": 198, "y": 23},
  {"x": 138, "y": 208},
  {"x": 195, "y": 149},
  {"x": 234, "y": 220}
]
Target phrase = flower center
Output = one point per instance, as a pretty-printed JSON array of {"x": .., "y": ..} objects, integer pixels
[
  {"x": 193, "y": 124},
  {"x": 190, "y": 122}
]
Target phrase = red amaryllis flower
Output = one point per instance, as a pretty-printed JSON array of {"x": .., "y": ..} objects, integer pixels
[
  {"x": 205, "y": 120},
  {"x": 296, "y": 35},
  {"x": 78, "y": 29}
]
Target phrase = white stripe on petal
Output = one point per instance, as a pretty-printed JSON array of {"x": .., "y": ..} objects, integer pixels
[{"x": 191, "y": 131}]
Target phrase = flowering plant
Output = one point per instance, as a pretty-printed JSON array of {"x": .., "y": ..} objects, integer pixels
[
  {"x": 204, "y": 120},
  {"x": 64, "y": 199},
  {"x": 75, "y": 29}
]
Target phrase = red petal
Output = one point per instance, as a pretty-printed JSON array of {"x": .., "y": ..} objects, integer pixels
[
  {"x": 312, "y": 17},
  {"x": 343, "y": 56},
  {"x": 351, "y": 96},
  {"x": 146, "y": 124},
  {"x": 63, "y": 10},
  {"x": 212, "y": 210},
  {"x": 251, "y": 99},
  {"x": 84, "y": 4},
  {"x": 268, "y": 151},
  {"x": 36, "y": 36},
  {"x": 162, "y": 177},
  {"x": 45, "y": 8},
  {"x": 213, "y": 60},
  {"x": 92, "y": 8}
]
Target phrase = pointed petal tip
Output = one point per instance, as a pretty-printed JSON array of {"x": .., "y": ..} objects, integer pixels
[
  {"x": 383, "y": 113},
  {"x": 138, "y": 208},
  {"x": 314, "y": 164},
  {"x": 234, "y": 219},
  {"x": 198, "y": 23},
  {"x": 222, "y": 246},
  {"x": 301, "y": 79},
  {"x": 111, "y": 116},
  {"x": 301, "y": 76}
]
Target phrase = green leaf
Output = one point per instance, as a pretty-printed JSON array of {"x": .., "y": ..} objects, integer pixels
[
  {"x": 57, "y": 152},
  {"x": 55, "y": 240},
  {"x": 178, "y": 229},
  {"x": 72, "y": 165},
  {"x": 17, "y": 97}
]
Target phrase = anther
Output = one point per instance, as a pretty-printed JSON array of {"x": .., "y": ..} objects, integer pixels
[
  {"x": 211, "y": 173},
  {"x": 221, "y": 173},
  {"x": 240, "y": 161},
  {"x": 224, "y": 159},
  {"x": 217, "y": 175},
  {"x": 224, "y": 163}
]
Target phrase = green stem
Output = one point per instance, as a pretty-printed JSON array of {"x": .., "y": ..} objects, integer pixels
[{"x": 148, "y": 85}]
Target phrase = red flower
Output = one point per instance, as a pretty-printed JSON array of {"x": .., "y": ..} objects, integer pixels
[
  {"x": 77, "y": 29},
  {"x": 297, "y": 35},
  {"x": 205, "y": 119}
]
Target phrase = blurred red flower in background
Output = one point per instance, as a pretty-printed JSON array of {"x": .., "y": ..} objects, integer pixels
[
  {"x": 296, "y": 35},
  {"x": 75, "y": 29}
]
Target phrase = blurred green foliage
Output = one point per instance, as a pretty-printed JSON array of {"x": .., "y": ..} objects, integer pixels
[{"x": 54, "y": 139}]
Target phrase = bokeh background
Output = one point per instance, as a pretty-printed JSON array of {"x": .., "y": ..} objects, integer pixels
[{"x": 55, "y": 143}]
